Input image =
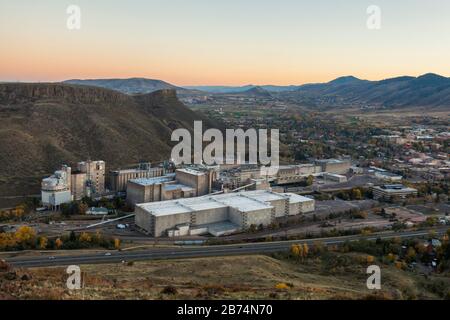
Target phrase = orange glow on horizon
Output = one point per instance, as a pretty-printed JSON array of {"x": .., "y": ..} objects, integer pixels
[{"x": 222, "y": 42}]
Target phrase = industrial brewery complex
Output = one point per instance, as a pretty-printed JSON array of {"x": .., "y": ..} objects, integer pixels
[
  {"x": 218, "y": 214},
  {"x": 175, "y": 201}
]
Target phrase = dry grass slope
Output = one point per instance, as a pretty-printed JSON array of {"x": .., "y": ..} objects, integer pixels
[
  {"x": 44, "y": 125},
  {"x": 243, "y": 277}
]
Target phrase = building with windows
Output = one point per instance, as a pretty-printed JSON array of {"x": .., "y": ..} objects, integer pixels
[
  {"x": 237, "y": 176},
  {"x": 79, "y": 185},
  {"x": 289, "y": 174},
  {"x": 95, "y": 175},
  {"x": 392, "y": 192},
  {"x": 55, "y": 190},
  {"x": 184, "y": 183},
  {"x": 388, "y": 176},
  {"x": 200, "y": 179},
  {"x": 218, "y": 214},
  {"x": 120, "y": 178},
  {"x": 334, "y": 177},
  {"x": 145, "y": 190},
  {"x": 334, "y": 165}
]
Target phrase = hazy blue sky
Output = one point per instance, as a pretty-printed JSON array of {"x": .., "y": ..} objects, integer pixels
[{"x": 223, "y": 42}]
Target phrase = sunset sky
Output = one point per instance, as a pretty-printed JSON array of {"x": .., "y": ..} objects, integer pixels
[{"x": 232, "y": 42}]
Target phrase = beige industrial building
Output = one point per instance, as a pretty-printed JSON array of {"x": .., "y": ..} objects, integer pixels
[
  {"x": 218, "y": 214},
  {"x": 78, "y": 185},
  {"x": 157, "y": 189},
  {"x": 88, "y": 180},
  {"x": 388, "y": 176},
  {"x": 237, "y": 177},
  {"x": 334, "y": 177},
  {"x": 95, "y": 175},
  {"x": 393, "y": 192},
  {"x": 334, "y": 165},
  {"x": 330, "y": 169},
  {"x": 295, "y": 173},
  {"x": 201, "y": 180},
  {"x": 184, "y": 183},
  {"x": 287, "y": 174},
  {"x": 259, "y": 184},
  {"x": 120, "y": 178},
  {"x": 147, "y": 189},
  {"x": 66, "y": 185}
]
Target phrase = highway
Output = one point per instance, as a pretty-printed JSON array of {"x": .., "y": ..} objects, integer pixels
[{"x": 197, "y": 251}]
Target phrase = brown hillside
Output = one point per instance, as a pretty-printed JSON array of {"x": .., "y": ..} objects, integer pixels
[{"x": 44, "y": 125}]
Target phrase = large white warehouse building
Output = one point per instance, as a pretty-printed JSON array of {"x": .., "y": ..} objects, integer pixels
[{"x": 218, "y": 214}]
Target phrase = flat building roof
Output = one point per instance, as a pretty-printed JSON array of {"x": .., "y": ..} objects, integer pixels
[
  {"x": 154, "y": 180},
  {"x": 192, "y": 171},
  {"x": 245, "y": 201},
  {"x": 171, "y": 187},
  {"x": 395, "y": 188},
  {"x": 242, "y": 203}
]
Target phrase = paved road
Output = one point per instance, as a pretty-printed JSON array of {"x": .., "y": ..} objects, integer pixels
[{"x": 195, "y": 252}]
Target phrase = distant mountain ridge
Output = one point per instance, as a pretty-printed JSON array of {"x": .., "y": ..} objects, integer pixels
[
  {"x": 258, "y": 91},
  {"x": 128, "y": 86},
  {"x": 428, "y": 90},
  {"x": 237, "y": 89},
  {"x": 251, "y": 92}
]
